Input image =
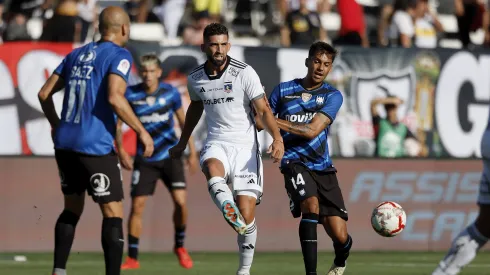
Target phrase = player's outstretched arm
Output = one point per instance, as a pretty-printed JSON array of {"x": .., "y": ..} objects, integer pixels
[
  {"x": 192, "y": 117},
  {"x": 307, "y": 130},
  {"x": 265, "y": 115},
  {"x": 320, "y": 121},
  {"x": 117, "y": 89},
  {"x": 53, "y": 85},
  {"x": 194, "y": 113},
  {"x": 193, "y": 159}
]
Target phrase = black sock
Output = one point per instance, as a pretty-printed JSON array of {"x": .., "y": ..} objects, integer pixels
[
  {"x": 308, "y": 238},
  {"x": 113, "y": 245},
  {"x": 342, "y": 251},
  {"x": 64, "y": 233},
  {"x": 179, "y": 236},
  {"x": 133, "y": 244}
]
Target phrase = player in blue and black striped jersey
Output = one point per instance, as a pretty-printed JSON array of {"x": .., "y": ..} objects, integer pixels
[
  {"x": 156, "y": 104},
  {"x": 94, "y": 79},
  {"x": 305, "y": 109}
]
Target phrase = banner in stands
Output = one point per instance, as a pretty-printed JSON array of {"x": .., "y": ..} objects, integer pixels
[
  {"x": 439, "y": 197},
  {"x": 446, "y": 94}
]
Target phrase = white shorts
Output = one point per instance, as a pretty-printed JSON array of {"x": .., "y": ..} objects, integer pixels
[
  {"x": 484, "y": 194},
  {"x": 243, "y": 167}
]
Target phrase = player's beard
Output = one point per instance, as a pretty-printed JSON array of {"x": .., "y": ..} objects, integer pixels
[{"x": 215, "y": 62}]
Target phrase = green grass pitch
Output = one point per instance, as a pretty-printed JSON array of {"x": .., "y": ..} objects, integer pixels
[{"x": 365, "y": 263}]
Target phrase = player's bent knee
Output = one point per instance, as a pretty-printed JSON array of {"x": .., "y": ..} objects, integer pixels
[
  {"x": 138, "y": 205},
  {"x": 112, "y": 209},
  {"x": 75, "y": 203},
  {"x": 310, "y": 205},
  {"x": 179, "y": 197},
  {"x": 246, "y": 201},
  {"x": 213, "y": 168}
]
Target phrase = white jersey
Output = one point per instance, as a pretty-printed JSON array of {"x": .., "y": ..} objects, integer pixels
[{"x": 227, "y": 99}]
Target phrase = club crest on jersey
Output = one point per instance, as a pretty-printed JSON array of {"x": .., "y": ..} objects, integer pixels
[
  {"x": 228, "y": 87},
  {"x": 320, "y": 100},
  {"x": 150, "y": 100},
  {"x": 305, "y": 97}
]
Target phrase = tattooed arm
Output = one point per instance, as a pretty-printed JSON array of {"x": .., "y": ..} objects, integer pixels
[
  {"x": 307, "y": 130},
  {"x": 324, "y": 117}
]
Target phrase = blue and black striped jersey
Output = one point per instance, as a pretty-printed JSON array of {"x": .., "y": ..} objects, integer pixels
[
  {"x": 291, "y": 102},
  {"x": 156, "y": 112}
]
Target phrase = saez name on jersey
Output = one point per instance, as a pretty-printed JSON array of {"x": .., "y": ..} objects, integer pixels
[
  {"x": 300, "y": 118},
  {"x": 83, "y": 72},
  {"x": 218, "y": 100}
]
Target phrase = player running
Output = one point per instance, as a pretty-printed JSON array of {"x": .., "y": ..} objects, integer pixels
[
  {"x": 226, "y": 89},
  {"x": 156, "y": 104},
  {"x": 306, "y": 108},
  {"x": 94, "y": 78},
  {"x": 467, "y": 244}
]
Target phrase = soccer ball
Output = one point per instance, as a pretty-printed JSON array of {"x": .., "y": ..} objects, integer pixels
[{"x": 388, "y": 219}]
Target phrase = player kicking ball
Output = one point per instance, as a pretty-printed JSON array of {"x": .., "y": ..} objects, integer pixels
[
  {"x": 94, "y": 78},
  {"x": 226, "y": 89},
  {"x": 155, "y": 104},
  {"x": 306, "y": 108},
  {"x": 467, "y": 244}
]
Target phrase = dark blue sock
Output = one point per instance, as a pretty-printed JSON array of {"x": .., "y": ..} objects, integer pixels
[
  {"x": 342, "y": 251},
  {"x": 309, "y": 244}
]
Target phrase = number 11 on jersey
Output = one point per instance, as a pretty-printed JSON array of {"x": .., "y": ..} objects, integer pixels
[{"x": 81, "y": 86}]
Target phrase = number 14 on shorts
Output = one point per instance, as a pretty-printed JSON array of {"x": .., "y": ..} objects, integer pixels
[{"x": 298, "y": 181}]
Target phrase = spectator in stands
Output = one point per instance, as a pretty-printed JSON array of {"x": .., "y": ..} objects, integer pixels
[
  {"x": 170, "y": 13},
  {"x": 302, "y": 27},
  {"x": 193, "y": 34},
  {"x": 393, "y": 138},
  {"x": 87, "y": 12},
  {"x": 167, "y": 12},
  {"x": 352, "y": 25},
  {"x": 471, "y": 15},
  {"x": 65, "y": 25},
  {"x": 213, "y": 7},
  {"x": 427, "y": 26},
  {"x": 401, "y": 23},
  {"x": 320, "y": 6},
  {"x": 19, "y": 12}
]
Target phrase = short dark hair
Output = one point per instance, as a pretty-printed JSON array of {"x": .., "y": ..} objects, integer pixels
[
  {"x": 322, "y": 47},
  {"x": 214, "y": 29}
]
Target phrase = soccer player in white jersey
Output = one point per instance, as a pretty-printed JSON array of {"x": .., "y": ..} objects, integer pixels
[
  {"x": 227, "y": 89},
  {"x": 466, "y": 245}
]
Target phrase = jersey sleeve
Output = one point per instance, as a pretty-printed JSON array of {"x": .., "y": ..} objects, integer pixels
[
  {"x": 275, "y": 99},
  {"x": 121, "y": 64},
  {"x": 192, "y": 93},
  {"x": 59, "y": 69},
  {"x": 177, "y": 100},
  {"x": 251, "y": 84},
  {"x": 332, "y": 106}
]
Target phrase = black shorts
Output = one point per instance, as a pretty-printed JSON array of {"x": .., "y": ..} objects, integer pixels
[
  {"x": 146, "y": 174},
  {"x": 100, "y": 176},
  {"x": 302, "y": 183}
]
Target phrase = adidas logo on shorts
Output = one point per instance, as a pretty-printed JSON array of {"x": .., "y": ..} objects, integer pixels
[{"x": 251, "y": 181}]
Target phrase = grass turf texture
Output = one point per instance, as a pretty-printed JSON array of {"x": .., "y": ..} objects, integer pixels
[{"x": 393, "y": 263}]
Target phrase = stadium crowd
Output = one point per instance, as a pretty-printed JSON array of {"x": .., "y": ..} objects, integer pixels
[{"x": 368, "y": 23}]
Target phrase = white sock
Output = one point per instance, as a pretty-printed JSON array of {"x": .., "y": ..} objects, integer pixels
[
  {"x": 246, "y": 246},
  {"x": 463, "y": 250},
  {"x": 219, "y": 191},
  {"x": 59, "y": 271}
]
